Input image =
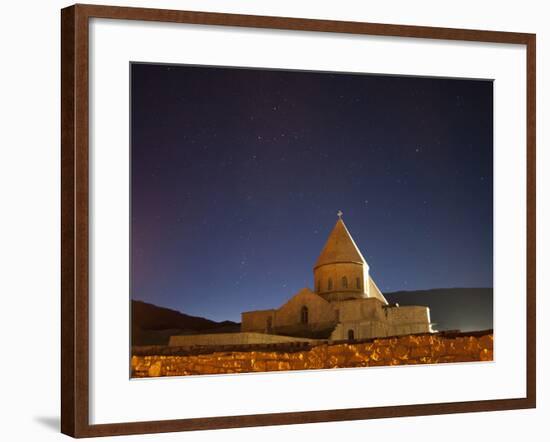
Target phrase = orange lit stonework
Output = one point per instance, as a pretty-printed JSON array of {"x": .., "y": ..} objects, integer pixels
[{"x": 402, "y": 350}]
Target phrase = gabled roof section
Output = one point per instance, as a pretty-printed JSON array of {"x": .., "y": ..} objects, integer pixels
[
  {"x": 374, "y": 291},
  {"x": 302, "y": 295},
  {"x": 340, "y": 247}
]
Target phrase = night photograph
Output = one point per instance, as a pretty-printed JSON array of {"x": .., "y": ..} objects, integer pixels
[{"x": 290, "y": 220}]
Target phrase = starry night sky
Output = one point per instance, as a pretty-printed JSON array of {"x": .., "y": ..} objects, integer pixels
[{"x": 237, "y": 175}]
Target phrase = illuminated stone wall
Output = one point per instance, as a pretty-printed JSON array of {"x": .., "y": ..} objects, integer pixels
[
  {"x": 403, "y": 350},
  {"x": 366, "y": 317},
  {"x": 335, "y": 272},
  {"x": 217, "y": 339},
  {"x": 287, "y": 318}
]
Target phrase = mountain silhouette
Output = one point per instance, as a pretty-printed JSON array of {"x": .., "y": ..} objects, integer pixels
[
  {"x": 464, "y": 309},
  {"x": 153, "y": 325}
]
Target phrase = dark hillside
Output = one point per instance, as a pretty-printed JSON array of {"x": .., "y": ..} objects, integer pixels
[
  {"x": 153, "y": 325},
  {"x": 464, "y": 309}
]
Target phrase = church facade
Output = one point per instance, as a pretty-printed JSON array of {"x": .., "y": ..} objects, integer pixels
[{"x": 345, "y": 304}]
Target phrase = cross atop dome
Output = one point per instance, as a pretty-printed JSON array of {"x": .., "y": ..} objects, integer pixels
[{"x": 340, "y": 246}]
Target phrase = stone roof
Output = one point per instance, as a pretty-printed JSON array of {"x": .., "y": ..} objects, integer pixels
[{"x": 340, "y": 247}]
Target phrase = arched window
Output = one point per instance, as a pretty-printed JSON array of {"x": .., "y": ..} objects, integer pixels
[
  {"x": 351, "y": 335},
  {"x": 304, "y": 315},
  {"x": 269, "y": 323},
  {"x": 344, "y": 282},
  {"x": 330, "y": 283},
  {"x": 358, "y": 282}
]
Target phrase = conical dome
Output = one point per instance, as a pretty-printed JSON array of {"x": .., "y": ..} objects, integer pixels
[
  {"x": 341, "y": 273},
  {"x": 340, "y": 247}
]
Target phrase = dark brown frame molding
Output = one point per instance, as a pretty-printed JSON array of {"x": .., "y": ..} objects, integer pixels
[{"x": 74, "y": 220}]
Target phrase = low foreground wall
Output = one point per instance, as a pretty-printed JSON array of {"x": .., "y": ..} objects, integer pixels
[
  {"x": 403, "y": 350},
  {"x": 231, "y": 339}
]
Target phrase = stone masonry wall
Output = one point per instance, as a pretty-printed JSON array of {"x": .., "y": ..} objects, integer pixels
[
  {"x": 230, "y": 339},
  {"x": 403, "y": 350}
]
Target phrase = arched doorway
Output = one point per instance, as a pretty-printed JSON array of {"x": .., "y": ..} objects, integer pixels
[{"x": 351, "y": 335}]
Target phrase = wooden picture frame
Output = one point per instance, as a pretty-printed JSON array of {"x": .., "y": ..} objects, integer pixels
[{"x": 75, "y": 219}]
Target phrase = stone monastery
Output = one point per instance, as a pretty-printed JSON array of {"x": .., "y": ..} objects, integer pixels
[{"x": 346, "y": 304}]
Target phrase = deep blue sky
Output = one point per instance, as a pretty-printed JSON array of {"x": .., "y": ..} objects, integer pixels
[{"x": 237, "y": 175}]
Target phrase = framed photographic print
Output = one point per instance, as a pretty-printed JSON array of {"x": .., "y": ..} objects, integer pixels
[{"x": 290, "y": 215}]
